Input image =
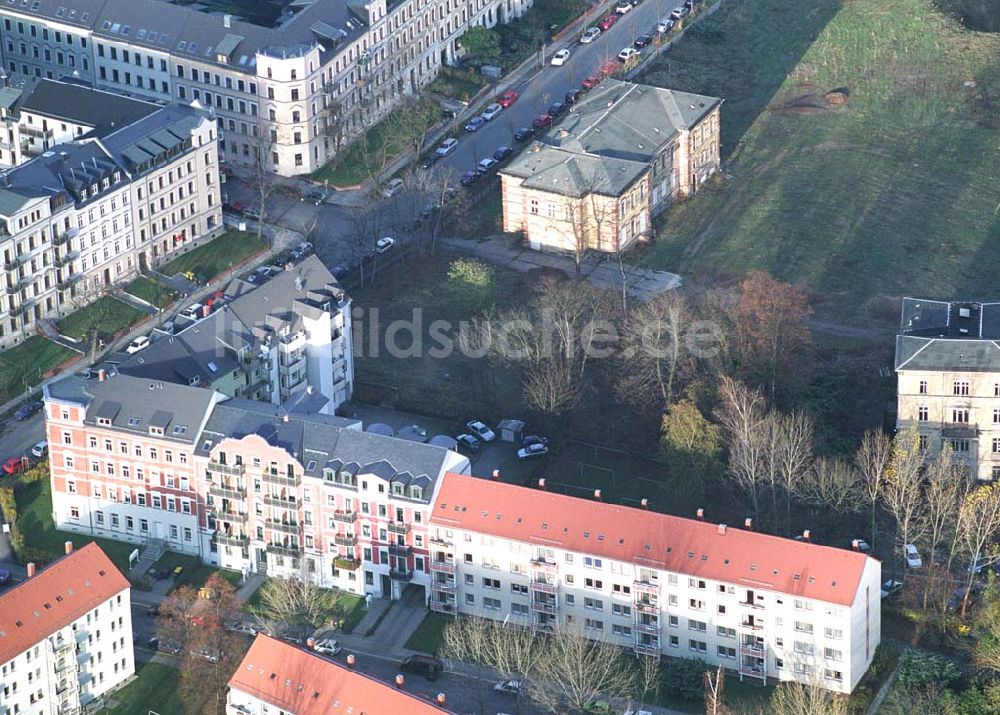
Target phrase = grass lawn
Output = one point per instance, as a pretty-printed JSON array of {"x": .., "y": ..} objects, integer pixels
[
  {"x": 153, "y": 690},
  {"x": 457, "y": 84},
  {"x": 107, "y": 314},
  {"x": 218, "y": 255},
  {"x": 27, "y": 363},
  {"x": 430, "y": 633},
  {"x": 34, "y": 509},
  {"x": 149, "y": 290},
  {"x": 894, "y": 192},
  {"x": 349, "y": 607},
  {"x": 380, "y": 144},
  {"x": 194, "y": 573}
]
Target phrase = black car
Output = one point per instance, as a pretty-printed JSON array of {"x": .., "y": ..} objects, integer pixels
[
  {"x": 556, "y": 109},
  {"x": 469, "y": 178},
  {"x": 523, "y": 134},
  {"x": 4, "y": 576},
  {"x": 428, "y": 161},
  {"x": 534, "y": 439},
  {"x": 428, "y": 210},
  {"x": 573, "y": 96},
  {"x": 425, "y": 665},
  {"x": 339, "y": 272},
  {"x": 502, "y": 153},
  {"x": 27, "y": 410},
  {"x": 642, "y": 41}
]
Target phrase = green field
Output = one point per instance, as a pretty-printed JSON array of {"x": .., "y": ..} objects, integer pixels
[
  {"x": 430, "y": 633},
  {"x": 153, "y": 690},
  {"x": 26, "y": 364},
  {"x": 895, "y": 191},
  {"x": 151, "y": 291},
  {"x": 220, "y": 254},
  {"x": 107, "y": 314}
]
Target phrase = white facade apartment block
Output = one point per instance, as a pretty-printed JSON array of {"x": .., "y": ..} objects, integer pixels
[
  {"x": 749, "y": 626},
  {"x": 78, "y": 643}
]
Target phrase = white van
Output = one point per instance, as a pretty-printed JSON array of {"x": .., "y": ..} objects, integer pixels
[{"x": 665, "y": 24}]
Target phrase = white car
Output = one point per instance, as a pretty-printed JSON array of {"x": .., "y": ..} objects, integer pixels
[
  {"x": 484, "y": 166},
  {"x": 559, "y": 58},
  {"x": 533, "y": 451},
  {"x": 384, "y": 244},
  {"x": 40, "y": 449},
  {"x": 492, "y": 111},
  {"x": 392, "y": 187},
  {"x": 890, "y": 587},
  {"x": 628, "y": 53},
  {"x": 240, "y": 627},
  {"x": 623, "y": 7},
  {"x": 913, "y": 557},
  {"x": 327, "y": 646},
  {"x": 590, "y": 35},
  {"x": 447, "y": 147},
  {"x": 508, "y": 687},
  {"x": 140, "y": 343},
  {"x": 481, "y": 431},
  {"x": 193, "y": 312}
]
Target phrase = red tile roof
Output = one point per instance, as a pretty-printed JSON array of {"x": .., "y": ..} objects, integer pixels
[
  {"x": 648, "y": 538},
  {"x": 302, "y": 683},
  {"x": 56, "y": 596}
]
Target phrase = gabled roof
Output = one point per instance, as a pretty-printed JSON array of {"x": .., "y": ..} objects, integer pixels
[
  {"x": 302, "y": 683},
  {"x": 951, "y": 354},
  {"x": 56, "y": 596},
  {"x": 647, "y": 538}
]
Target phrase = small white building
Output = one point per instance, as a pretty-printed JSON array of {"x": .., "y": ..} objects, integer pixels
[{"x": 65, "y": 635}]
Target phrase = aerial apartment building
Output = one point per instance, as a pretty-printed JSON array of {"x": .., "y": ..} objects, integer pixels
[
  {"x": 243, "y": 484},
  {"x": 763, "y": 607},
  {"x": 65, "y": 635},
  {"x": 91, "y": 213},
  {"x": 277, "y": 677},
  {"x": 291, "y": 94}
]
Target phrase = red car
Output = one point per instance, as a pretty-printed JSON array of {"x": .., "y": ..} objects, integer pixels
[
  {"x": 591, "y": 82},
  {"x": 542, "y": 121},
  {"x": 13, "y": 465},
  {"x": 508, "y": 98},
  {"x": 607, "y": 21}
]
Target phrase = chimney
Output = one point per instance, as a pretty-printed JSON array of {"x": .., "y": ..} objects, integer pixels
[
  {"x": 227, "y": 21},
  {"x": 440, "y": 699},
  {"x": 68, "y": 547},
  {"x": 748, "y": 524},
  {"x": 400, "y": 680},
  {"x": 597, "y": 495},
  {"x": 206, "y": 310},
  {"x": 563, "y": 133},
  {"x": 855, "y": 545},
  {"x": 805, "y": 535},
  {"x": 701, "y": 515},
  {"x": 310, "y": 642},
  {"x": 644, "y": 504},
  {"x": 101, "y": 375},
  {"x": 350, "y": 660},
  {"x": 496, "y": 475},
  {"x": 31, "y": 569},
  {"x": 541, "y": 484},
  {"x": 721, "y": 529}
]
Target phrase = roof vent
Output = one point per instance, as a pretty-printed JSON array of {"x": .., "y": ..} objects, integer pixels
[
  {"x": 597, "y": 495},
  {"x": 721, "y": 529},
  {"x": 644, "y": 503},
  {"x": 541, "y": 484},
  {"x": 748, "y": 524},
  {"x": 227, "y": 21},
  {"x": 700, "y": 514},
  {"x": 805, "y": 535}
]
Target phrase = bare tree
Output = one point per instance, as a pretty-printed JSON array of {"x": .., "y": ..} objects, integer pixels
[
  {"x": 653, "y": 358},
  {"x": 743, "y": 415},
  {"x": 902, "y": 493},
  {"x": 873, "y": 459},
  {"x": 648, "y": 679},
  {"x": 946, "y": 483},
  {"x": 97, "y": 296},
  {"x": 805, "y": 699},
  {"x": 263, "y": 176},
  {"x": 978, "y": 525},
  {"x": 715, "y": 684},
  {"x": 833, "y": 484},
  {"x": 297, "y": 605},
  {"x": 792, "y": 455}
]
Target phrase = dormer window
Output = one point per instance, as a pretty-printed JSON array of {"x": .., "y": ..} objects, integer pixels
[
  {"x": 103, "y": 421},
  {"x": 415, "y": 492},
  {"x": 156, "y": 431},
  {"x": 397, "y": 488}
]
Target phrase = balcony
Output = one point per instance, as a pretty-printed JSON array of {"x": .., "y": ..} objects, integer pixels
[
  {"x": 346, "y": 563},
  {"x": 752, "y": 606},
  {"x": 959, "y": 430},
  {"x": 399, "y": 527},
  {"x": 64, "y": 236},
  {"x": 291, "y": 363},
  {"x": 646, "y": 607},
  {"x": 546, "y": 607},
  {"x": 754, "y": 649},
  {"x": 544, "y": 586},
  {"x": 544, "y": 566},
  {"x": 345, "y": 540},
  {"x": 230, "y": 517},
  {"x": 647, "y": 627},
  {"x": 345, "y": 517},
  {"x": 442, "y": 606},
  {"x": 443, "y": 566},
  {"x": 399, "y": 550},
  {"x": 286, "y": 527},
  {"x": 226, "y": 492},
  {"x": 69, "y": 281},
  {"x": 649, "y": 649},
  {"x": 230, "y": 539},
  {"x": 448, "y": 586},
  {"x": 752, "y": 625},
  {"x": 404, "y": 576},
  {"x": 438, "y": 541},
  {"x": 281, "y": 502},
  {"x": 284, "y": 549},
  {"x": 281, "y": 479},
  {"x": 233, "y": 470},
  {"x": 651, "y": 587}
]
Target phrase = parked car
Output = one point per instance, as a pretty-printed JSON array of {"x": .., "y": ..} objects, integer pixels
[
  {"x": 40, "y": 449},
  {"x": 523, "y": 134},
  {"x": 485, "y": 165},
  {"x": 541, "y": 121},
  {"x": 467, "y": 442},
  {"x": 425, "y": 665},
  {"x": 502, "y": 152},
  {"x": 140, "y": 343},
  {"x": 508, "y": 98},
  {"x": 980, "y": 562},
  {"x": 384, "y": 244},
  {"x": 481, "y": 430},
  {"x": 5, "y": 576},
  {"x": 392, "y": 187},
  {"x": 573, "y": 96},
  {"x": 627, "y": 54},
  {"x": 168, "y": 327},
  {"x": 429, "y": 209},
  {"x": 861, "y": 545},
  {"x": 508, "y": 687},
  {"x": 666, "y": 24},
  {"x": 446, "y": 147},
  {"x": 556, "y": 109},
  {"x": 14, "y": 465},
  {"x": 623, "y": 7},
  {"x": 427, "y": 162},
  {"x": 642, "y": 41},
  {"x": 164, "y": 646},
  {"x": 607, "y": 21},
  {"x": 560, "y": 57},
  {"x": 339, "y": 272},
  {"x": 27, "y": 410},
  {"x": 475, "y": 124},
  {"x": 193, "y": 312},
  {"x": 913, "y": 557},
  {"x": 314, "y": 196},
  {"x": 212, "y": 655},
  {"x": 492, "y": 111},
  {"x": 240, "y": 627},
  {"x": 534, "y": 439},
  {"x": 958, "y": 595},
  {"x": 304, "y": 248},
  {"x": 590, "y": 82},
  {"x": 532, "y": 451},
  {"x": 469, "y": 178},
  {"x": 327, "y": 646},
  {"x": 153, "y": 611},
  {"x": 590, "y": 35},
  {"x": 680, "y": 12},
  {"x": 890, "y": 587}
]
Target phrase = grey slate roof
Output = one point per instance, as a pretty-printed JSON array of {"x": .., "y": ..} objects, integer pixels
[
  {"x": 963, "y": 336},
  {"x": 952, "y": 354},
  {"x": 85, "y": 105},
  {"x": 151, "y": 136},
  {"x": 9, "y": 97},
  {"x": 69, "y": 168}
]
